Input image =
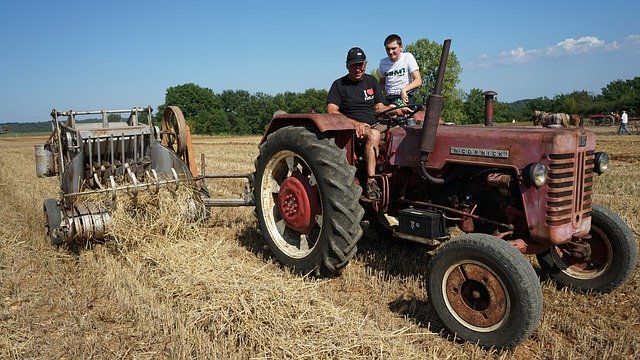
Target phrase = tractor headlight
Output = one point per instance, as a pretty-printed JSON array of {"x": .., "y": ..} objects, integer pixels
[
  {"x": 535, "y": 174},
  {"x": 601, "y": 163}
]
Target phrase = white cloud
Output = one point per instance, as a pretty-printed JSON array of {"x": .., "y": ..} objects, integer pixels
[
  {"x": 517, "y": 56},
  {"x": 572, "y": 46},
  {"x": 567, "y": 47}
]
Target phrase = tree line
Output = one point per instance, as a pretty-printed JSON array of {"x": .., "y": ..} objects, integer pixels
[{"x": 239, "y": 112}]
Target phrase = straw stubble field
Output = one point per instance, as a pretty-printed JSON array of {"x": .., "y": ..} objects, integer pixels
[{"x": 166, "y": 288}]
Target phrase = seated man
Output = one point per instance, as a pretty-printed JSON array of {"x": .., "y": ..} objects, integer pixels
[
  {"x": 399, "y": 73},
  {"x": 358, "y": 96}
]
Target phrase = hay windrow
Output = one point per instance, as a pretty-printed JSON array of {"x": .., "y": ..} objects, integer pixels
[{"x": 149, "y": 217}]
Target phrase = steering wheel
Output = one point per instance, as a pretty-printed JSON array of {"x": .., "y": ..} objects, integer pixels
[{"x": 400, "y": 120}]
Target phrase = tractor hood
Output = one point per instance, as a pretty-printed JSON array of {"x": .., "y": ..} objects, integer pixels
[{"x": 512, "y": 147}]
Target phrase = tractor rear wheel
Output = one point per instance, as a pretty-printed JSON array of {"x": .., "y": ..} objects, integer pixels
[
  {"x": 307, "y": 201},
  {"x": 484, "y": 291},
  {"x": 608, "y": 120},
  {"x": 610, "y": 264}
]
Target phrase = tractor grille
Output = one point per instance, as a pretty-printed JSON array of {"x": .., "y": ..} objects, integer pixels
[{"x": 569, "y": 187}]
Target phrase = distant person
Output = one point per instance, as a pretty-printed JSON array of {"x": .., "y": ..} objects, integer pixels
[
  {"x": 359, "y": 97},
  {"x": 624, "y": 124},
  {"x": 399, "y": 73}
]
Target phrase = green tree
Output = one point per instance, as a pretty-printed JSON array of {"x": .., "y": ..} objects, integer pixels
[
  {"x": 235, "y": 103},
  {"x": 114, "y": 118},
  {"x": 427, "y": 54},
  {"x": 474, "y": 107},
  {"x": 623, "y": 95},
  {"x": 193, "y": 100}
]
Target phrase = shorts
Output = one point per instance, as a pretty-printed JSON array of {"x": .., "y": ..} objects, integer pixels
[{"x": 397, "y": 101}]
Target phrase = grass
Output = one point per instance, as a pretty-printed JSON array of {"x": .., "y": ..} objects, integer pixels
[{"x": 169, "y": 288}]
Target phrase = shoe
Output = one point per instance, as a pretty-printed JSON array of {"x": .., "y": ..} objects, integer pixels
[{"x": 373, "y": 191}]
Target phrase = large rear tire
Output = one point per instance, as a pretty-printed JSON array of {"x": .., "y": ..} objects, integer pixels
[
  {"x": 608, "y": 120},
  {"x": 307, "y": 201},
  {"x": 613, "y": 256},
  {"x": 484, "y": 291}
]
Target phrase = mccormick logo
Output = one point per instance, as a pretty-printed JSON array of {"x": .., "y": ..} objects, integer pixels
[
  {"x": 480, "y": 152},
  {"x": 368, "y": 94}
]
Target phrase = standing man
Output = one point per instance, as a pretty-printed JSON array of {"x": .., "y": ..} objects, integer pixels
[
  {"x": 624, "y": 124},
  {"x": 399, "y": 72},
  {"x": 358, "y": 96}
]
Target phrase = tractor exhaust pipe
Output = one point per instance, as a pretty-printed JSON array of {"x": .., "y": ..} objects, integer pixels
[
  {"x": 488, "y": 107},
  {"x": 434, "y": 110}
]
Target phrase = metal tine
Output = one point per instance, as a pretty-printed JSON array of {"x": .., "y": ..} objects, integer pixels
[
  {"x": 177, "y": 181},
  {"x": 153, "y": 176},
  {"x": 112, "y": 151},
  {"x": 98, "y": 150},
  {"x": 90, "y": 146},
  {"x": 97, "y": 181},
  {"x": 134, "y": 188},
  {"x": 113, "y": 192}
]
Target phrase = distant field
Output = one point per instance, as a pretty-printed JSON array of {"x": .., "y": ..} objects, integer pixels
[{"x": 171, "y": 289}]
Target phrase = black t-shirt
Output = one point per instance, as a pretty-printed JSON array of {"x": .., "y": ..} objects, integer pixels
[{"x": 356, "y": 99}]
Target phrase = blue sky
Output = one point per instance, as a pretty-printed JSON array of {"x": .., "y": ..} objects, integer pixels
[{"x": 90, "y": 55}]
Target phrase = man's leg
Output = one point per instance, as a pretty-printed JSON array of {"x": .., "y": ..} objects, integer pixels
[
  {"x": 371, "y": 153},
  {"x": 371, "y": 150}
]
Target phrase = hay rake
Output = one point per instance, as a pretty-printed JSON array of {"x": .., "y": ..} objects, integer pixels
[{"x": 125, "y": 156}]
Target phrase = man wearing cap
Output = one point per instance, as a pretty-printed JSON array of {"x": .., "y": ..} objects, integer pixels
[{"x": 358, "y": 96}]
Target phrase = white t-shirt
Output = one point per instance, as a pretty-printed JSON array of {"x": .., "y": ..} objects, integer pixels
[
  {"x": 397, "y": 74},
  {"x": 625, "y": 118}
]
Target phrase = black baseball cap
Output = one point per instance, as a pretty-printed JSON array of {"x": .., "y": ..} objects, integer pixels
[{"x": 355, "y": 56}]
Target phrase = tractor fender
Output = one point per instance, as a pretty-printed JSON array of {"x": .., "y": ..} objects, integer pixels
[{"x": 321, "y": 122}]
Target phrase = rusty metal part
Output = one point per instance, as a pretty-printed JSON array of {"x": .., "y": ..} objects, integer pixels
[
  {"x": 466, "y": 222},
  {"x": 578, "y": 250},
  {"x": 499, "y": 180},
  {"x": 488, "y": 107},
  {"x": 528, "y": 247},
  {"x": 173, "y": 129},
  {"x": 475, "y": 294},
  {"x": 434, "y": 109}
]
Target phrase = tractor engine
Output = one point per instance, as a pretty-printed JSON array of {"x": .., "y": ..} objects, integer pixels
[{"x": 532, "y": 183}]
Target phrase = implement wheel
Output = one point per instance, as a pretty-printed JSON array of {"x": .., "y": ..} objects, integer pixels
[
  {"x": 173, "y": 130},
  {"x": 484, "y": 291},
  {"x": 52, "y": 222},
  {"x": 307, "y": 201}
]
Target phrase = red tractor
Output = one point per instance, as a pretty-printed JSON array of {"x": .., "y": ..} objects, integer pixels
[
  {"x": 601, "y": 119},
  {"x": 511, "y": 191}
]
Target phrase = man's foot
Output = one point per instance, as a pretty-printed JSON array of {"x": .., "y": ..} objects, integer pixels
[{"x": 373, "y": 191}]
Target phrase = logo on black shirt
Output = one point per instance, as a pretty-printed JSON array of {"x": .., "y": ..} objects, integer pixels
[{"x": 368, "y": 94}]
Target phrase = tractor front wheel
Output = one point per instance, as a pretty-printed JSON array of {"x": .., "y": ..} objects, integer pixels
[
  {"x": 484, "y": 291},
  {"x": 307, "y": 201},
  {"x": 613, "y": 252}
]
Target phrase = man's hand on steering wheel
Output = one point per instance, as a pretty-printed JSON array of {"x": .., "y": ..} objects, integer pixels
[{"x": 400, "y": 114}]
